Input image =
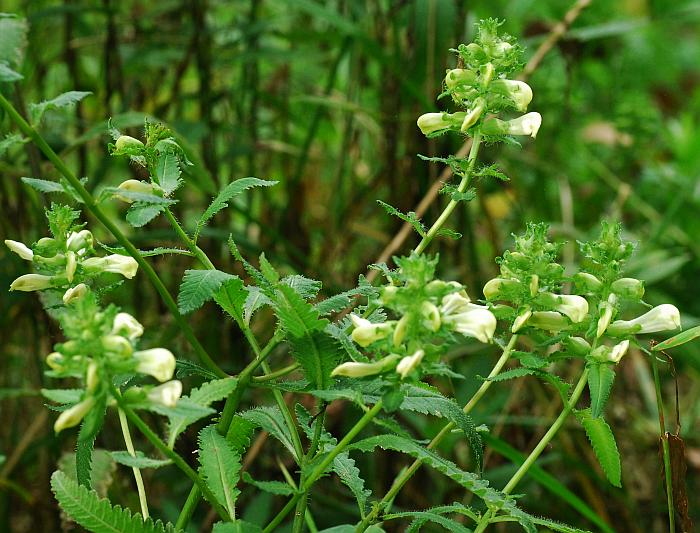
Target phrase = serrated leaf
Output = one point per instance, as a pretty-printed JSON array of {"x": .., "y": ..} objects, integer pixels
[
  {"x": 168, "y": 172},
  {"x": 186, "y": 368},
  {"x": 198, "y": 287},
  {"x": 160, "y": 250},
  {"x": 457, "y": 195},
  {"x": 254, "y": 301},
  {"x": 278, "y": 488},
  {"x": 13, "y": 38},
  {"x": 237, "y": 526},
  {"x": 138, "y": 461},
  {"x": 409, "y": 217},
  {"x": 305, "y": 287},
  {"x": 140, "y": 214},
  {"x": 141, "y": 197},
  {"x": 271, "y": 420},
  {"x": 64, "y": 396},
  {"x": 220, "y": 467},
  {"x": 44, "y": 186},
  {"x": 97, "y": 514},
  {"x": 604, "y": 445},
  {"x": 231, "y": 297},
  {"x": 204, "y": 396},
  {"x": 67, "y": 99},
  {"x": 226, "y": 195},
  {"x": 687, "y": 336},
  {"x": 472, "y": 482},
  {"x": 600, "y": 381},
  {"x": 449, "y": 233},
  {"x": 10, "y": 140},
  {"x": 239, "y": 433}
]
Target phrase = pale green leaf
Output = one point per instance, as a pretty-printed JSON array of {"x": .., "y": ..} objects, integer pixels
[
  {"x": 140, "y": 214},
  {"x": 198, "y": 287},
  {"x": 168, "y": 172}
]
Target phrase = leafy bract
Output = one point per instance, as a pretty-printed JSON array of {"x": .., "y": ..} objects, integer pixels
[
  {"x": 600, "y": 381},
  {"x": 67, "y": 99},
  {"x": 97, "y": 514},
  {"x": 226, "y": 195}
]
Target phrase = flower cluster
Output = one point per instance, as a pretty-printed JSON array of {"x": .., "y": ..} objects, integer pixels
[
  {"x": 426, "y": 309},
  {"x": 102, "y": 344},
  {"x": 66, "y": 262},
  {"x": 481, "y": 87}
]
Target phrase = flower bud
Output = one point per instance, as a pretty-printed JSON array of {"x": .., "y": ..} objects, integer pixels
[
  {"x": 55, "y": 361},
  {"x": 518, "y": 92},
  {"x": 431, "y": 314},
  {"x": 618, "y": 351},
  {"x": 115, "y": 263},
  {"x": 409, "y": 363},
  {"x": 20, "y": 249},
  {"x": 127, "y": 326},
  {"x": 359, "y": 370},
  {"x": 528, "y": 124},
  {"x": 125, "y": 142},
  {"x": 521, "y": 320},
  {"x": 475, "y": 112},
  {"x": 117, "y": 345},
  {"x": 573, "y": 306},
  {"x": 587, "y": 281},
  {"x": 166, "y": 394},
  {"x": 156, "y": 362},
  {"x": 438, "y": 287},
  {"x": 630, "y": 288},
  {"x": 80, "y": 241},
  {"x": 577, "y": 345},
  {"x": 488, "y": 71},
  {"x": 660, "y": 318},
  {"x": 388, "y": 293},
  {"x": 136, "y": 186},
  {"x": 75, "y": 292},
  {"x": 72, "y": 416},
  {"x": 478, "y": 323},
  {"x": 71, "y": 265},
  {"x": 459, "y": 77},
  {"x": 494, "y": 288},
  {"x": 400, "y": 330},
  {"x": 46, "y": 246},
  {"x": 431, "y": 123},
  {"x": 606, "y": 309},
  {"x": 366, "y": 335},
  {"x": 534, "y": 285},
  {"x": 548, "y": 321},
  {"x": 32, "y": 282}
]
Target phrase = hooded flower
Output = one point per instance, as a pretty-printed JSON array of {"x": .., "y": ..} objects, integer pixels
[
  {"x": 75, "y": 292},
  {"x": 78, "y": 242},
  {"x": 607, "y": 308},
  {"x": 517, "y": 91},
  {"x": 127, "y": 326},
  {"x": 115, "y": 263},
  {"x": 166, "y": 394},
  {"x": 618, "y": 351},
  {"x": 478, "y": 323},
  {"x": 32, "y": 282},
  {"x": 156, "y": 362},
  {"x": 366, "y": 332},
  {"x": 661, "y": 318},
  {"x": 528, "y": 124},
  {"x": 409, "y": 363},
  {"x": 430, "y": 123},
  {"x": 20, "y": 249},
  {"x": 359, "y": 370}
]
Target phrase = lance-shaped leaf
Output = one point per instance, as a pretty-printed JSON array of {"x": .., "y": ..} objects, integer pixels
[
  {"x": 220, "y": 467},
  {"x": 604, "y": 445},
  {"x": 198, "y": 287},
  {"x": 600, "y": 381}
]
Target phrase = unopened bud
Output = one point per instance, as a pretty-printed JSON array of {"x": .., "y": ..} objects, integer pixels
[
  {"x": 359, "y": 370},
  {"x": 80, "y": 241},
  {"x": 156, "y": 362},
  {"x": 115, "y": 263},
  {"x": 32, "y": 282},
  {"x": 75, "y": 292},
  {"x": 495, "y": 288},
  {"x": 630, "y": 288},
  {"x": 20, "y": 249},
  {"x": 125, "y": 142},
  {"x": 166, "y": 394},
  {"x": 127, "y": 326},
  {"x": 91, "y": 377},
  {"x": 474, "y": 114},
  {"x": 521, "y": 320},
  {"x": 587, "y": 282},
  {"x": 71, "y": 265},
  {"x": 55, "y": 361},
  {"x": 577, "y": 345},
  {"x": 135, "y": 186},
  {"x": 432, "y": 123},
  {"x": 74, "y": 415},
  {"x": 516, "y": 91},
  {"x": 431, "y": 314},
  {"x": 117, "y": 345},
  {"x": 548, "y": 321},
  {"x": 528, "y": 124}
]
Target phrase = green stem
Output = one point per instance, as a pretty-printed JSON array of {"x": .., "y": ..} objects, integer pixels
[
  {"x": 408, "y": 473},
  {"x": 541, "y": 445},
  {"x": 664, "y": 446},
  {"x": 170, "y": 454},
  {"x": 300, "y": 512},
  {"x": 435, "y": 228},
  {"x": 185, "y": 238},
  {"x": 92, "y": 206},
  {"x": 137, "y": 473},
  {"x": 323, "y": 466},
  {"x": 276, "y": 374}
]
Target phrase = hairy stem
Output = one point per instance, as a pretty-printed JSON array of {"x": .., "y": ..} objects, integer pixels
[
  {"x": 323, "y": 466},
  {"x": 185, "y": 238},
  {"x": 408, "y": 473},
  {"x": 122, "y": 239},
  {"x": 541, "y": 445},
  {"x": 137, "y": 473},
  {"x": 435, "y": 228}
]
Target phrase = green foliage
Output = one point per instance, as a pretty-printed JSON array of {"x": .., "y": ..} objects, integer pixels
[
  {"x": 436, "y": 515},
  {"x": 270, "y": 419},
  {"x": 168, "y": 172},
  {"x": 198, "y": 287},
  {"x": 600, "y": 381},
  {"x": 273, "y": 487},
  {"x": 227, "y": 194},
  {"x": 471, "y": 482},
  {"x": 604, "y": 445},
  {"x": 409, "y": 217},
  {"x": 90, "y": 427},
  {"x": 98, "y": 515},
  {"x": 141, "y": 213},
  {"x": 220, "y": 467}
]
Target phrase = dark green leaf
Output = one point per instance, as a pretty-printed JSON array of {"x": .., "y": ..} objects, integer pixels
[
  {"x": 198, "y": 287},
  {"x": 604, "y": 445},
  {"x": 600, "y": 381}
]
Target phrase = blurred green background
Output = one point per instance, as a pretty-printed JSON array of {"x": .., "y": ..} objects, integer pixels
[{"x": 323, "y": 96}]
